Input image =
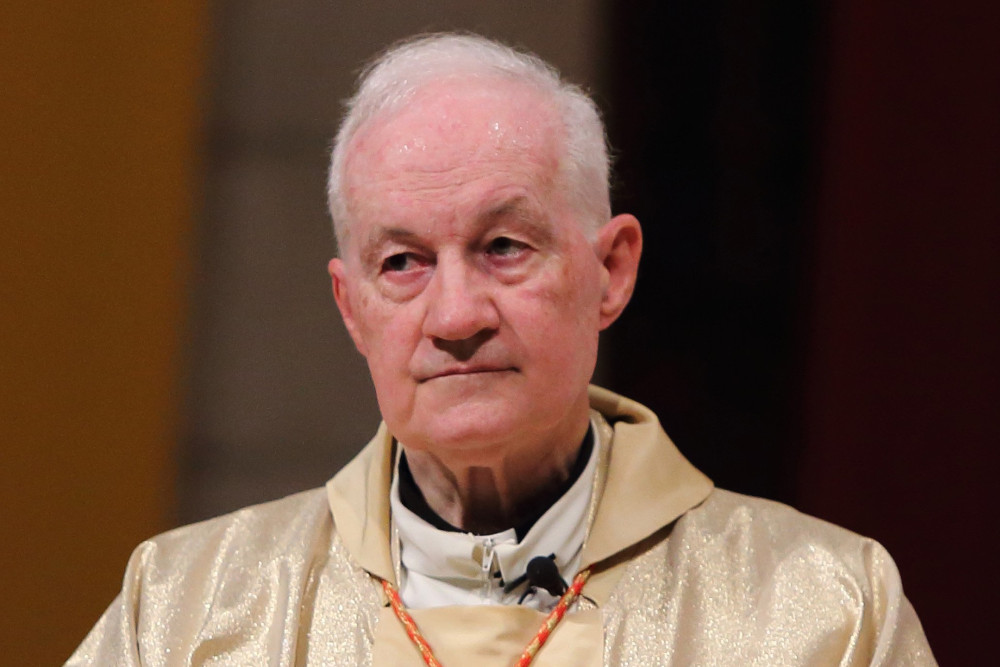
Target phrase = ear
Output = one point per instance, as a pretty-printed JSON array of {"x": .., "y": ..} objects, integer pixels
[
  {"x": 619, "y": 245},
  {"x": 341, "y": 294}
]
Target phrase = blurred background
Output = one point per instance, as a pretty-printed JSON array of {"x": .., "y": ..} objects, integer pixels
[{"x": 817, "y": 318}]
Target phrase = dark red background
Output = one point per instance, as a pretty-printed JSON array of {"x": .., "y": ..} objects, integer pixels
[{"x": 818, "y": 318}]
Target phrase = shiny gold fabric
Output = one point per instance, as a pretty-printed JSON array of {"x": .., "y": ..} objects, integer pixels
[{"x": 683, "y": 575}]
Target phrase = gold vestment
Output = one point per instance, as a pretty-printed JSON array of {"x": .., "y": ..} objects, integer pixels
[{"x": 683, "y": 574}]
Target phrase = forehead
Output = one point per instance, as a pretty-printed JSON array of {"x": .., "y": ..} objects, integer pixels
[{"x": 454, "y": 138}]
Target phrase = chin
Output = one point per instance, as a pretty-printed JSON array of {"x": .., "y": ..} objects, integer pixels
[
  {"x": 473, "y": 429},
  {"x": 478, "y": 415}
]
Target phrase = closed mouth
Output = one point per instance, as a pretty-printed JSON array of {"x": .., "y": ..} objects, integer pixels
[{"x": 470, "y": 370}]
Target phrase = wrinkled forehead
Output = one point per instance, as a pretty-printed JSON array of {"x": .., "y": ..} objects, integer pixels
[{"x": 451, "y": 123}]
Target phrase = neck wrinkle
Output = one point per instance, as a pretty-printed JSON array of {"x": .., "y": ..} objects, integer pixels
[{"x": 490, "y": 498}]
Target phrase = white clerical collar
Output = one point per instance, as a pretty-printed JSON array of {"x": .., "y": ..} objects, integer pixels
[{"x": 440, "y": 567}]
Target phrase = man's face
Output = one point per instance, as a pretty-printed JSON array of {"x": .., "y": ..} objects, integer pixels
[{"x": 467, "y": 280}]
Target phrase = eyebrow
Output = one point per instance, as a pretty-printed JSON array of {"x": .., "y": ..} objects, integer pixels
[
  {"x": 378, "y": 237},
  {"x": 525, "y": 215},
  {"x": 512, "y": 207},
  {"x": 505, "y": 207}
]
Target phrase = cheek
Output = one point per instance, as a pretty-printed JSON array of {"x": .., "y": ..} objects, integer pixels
[
  {"x": 577, "y": 294},
  {"x": 390, "y": 332},
  {"x": 389, "y": 352},
  {"x": 562, "y": 314}
]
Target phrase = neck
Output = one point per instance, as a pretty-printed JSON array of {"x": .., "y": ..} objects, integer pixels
[{"x": 492, "y": 495}]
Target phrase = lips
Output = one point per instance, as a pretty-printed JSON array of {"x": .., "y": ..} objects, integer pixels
[{"x": 472, "y": 369}]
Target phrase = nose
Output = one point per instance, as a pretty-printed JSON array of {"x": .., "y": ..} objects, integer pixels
[{"x": 460, "y": 306}]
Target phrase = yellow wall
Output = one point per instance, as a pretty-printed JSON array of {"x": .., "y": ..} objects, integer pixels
[{"x": 99, "y": 116}]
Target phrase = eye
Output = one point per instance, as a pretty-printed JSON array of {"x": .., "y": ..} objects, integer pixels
[
  {"x": 402, "y": 261},
  {"x": 505, "y": 246}
]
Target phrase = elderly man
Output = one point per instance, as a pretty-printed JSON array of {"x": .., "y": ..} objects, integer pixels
[{"x": 505, "y": 511}]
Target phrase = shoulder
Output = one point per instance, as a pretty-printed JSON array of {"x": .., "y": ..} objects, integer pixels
[
  {"x": 275, "y": 540},
  {"x": 753, "y": 555},
  {"x": 261, "y": 531},
  {"x": 763, "y": 538},
  {"x": 725, "y": 512},
  {"x": 234, "y": 584},
  {"x": 773, "y": 585},
  {"x": 755, "y": 551},
  {"x": 796, "y": 572}
]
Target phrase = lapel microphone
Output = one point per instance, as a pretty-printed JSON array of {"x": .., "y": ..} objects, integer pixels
[{"x": 540, "y": 573}]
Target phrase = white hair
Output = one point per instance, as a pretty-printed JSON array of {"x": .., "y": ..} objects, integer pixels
[{"x": 393, "y": 77}]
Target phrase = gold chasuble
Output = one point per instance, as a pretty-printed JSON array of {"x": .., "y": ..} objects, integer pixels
[{"x": 682, "y": 574}]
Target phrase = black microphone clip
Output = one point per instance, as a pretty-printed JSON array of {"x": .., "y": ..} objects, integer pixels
[{"x": 543, "y": 573}]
